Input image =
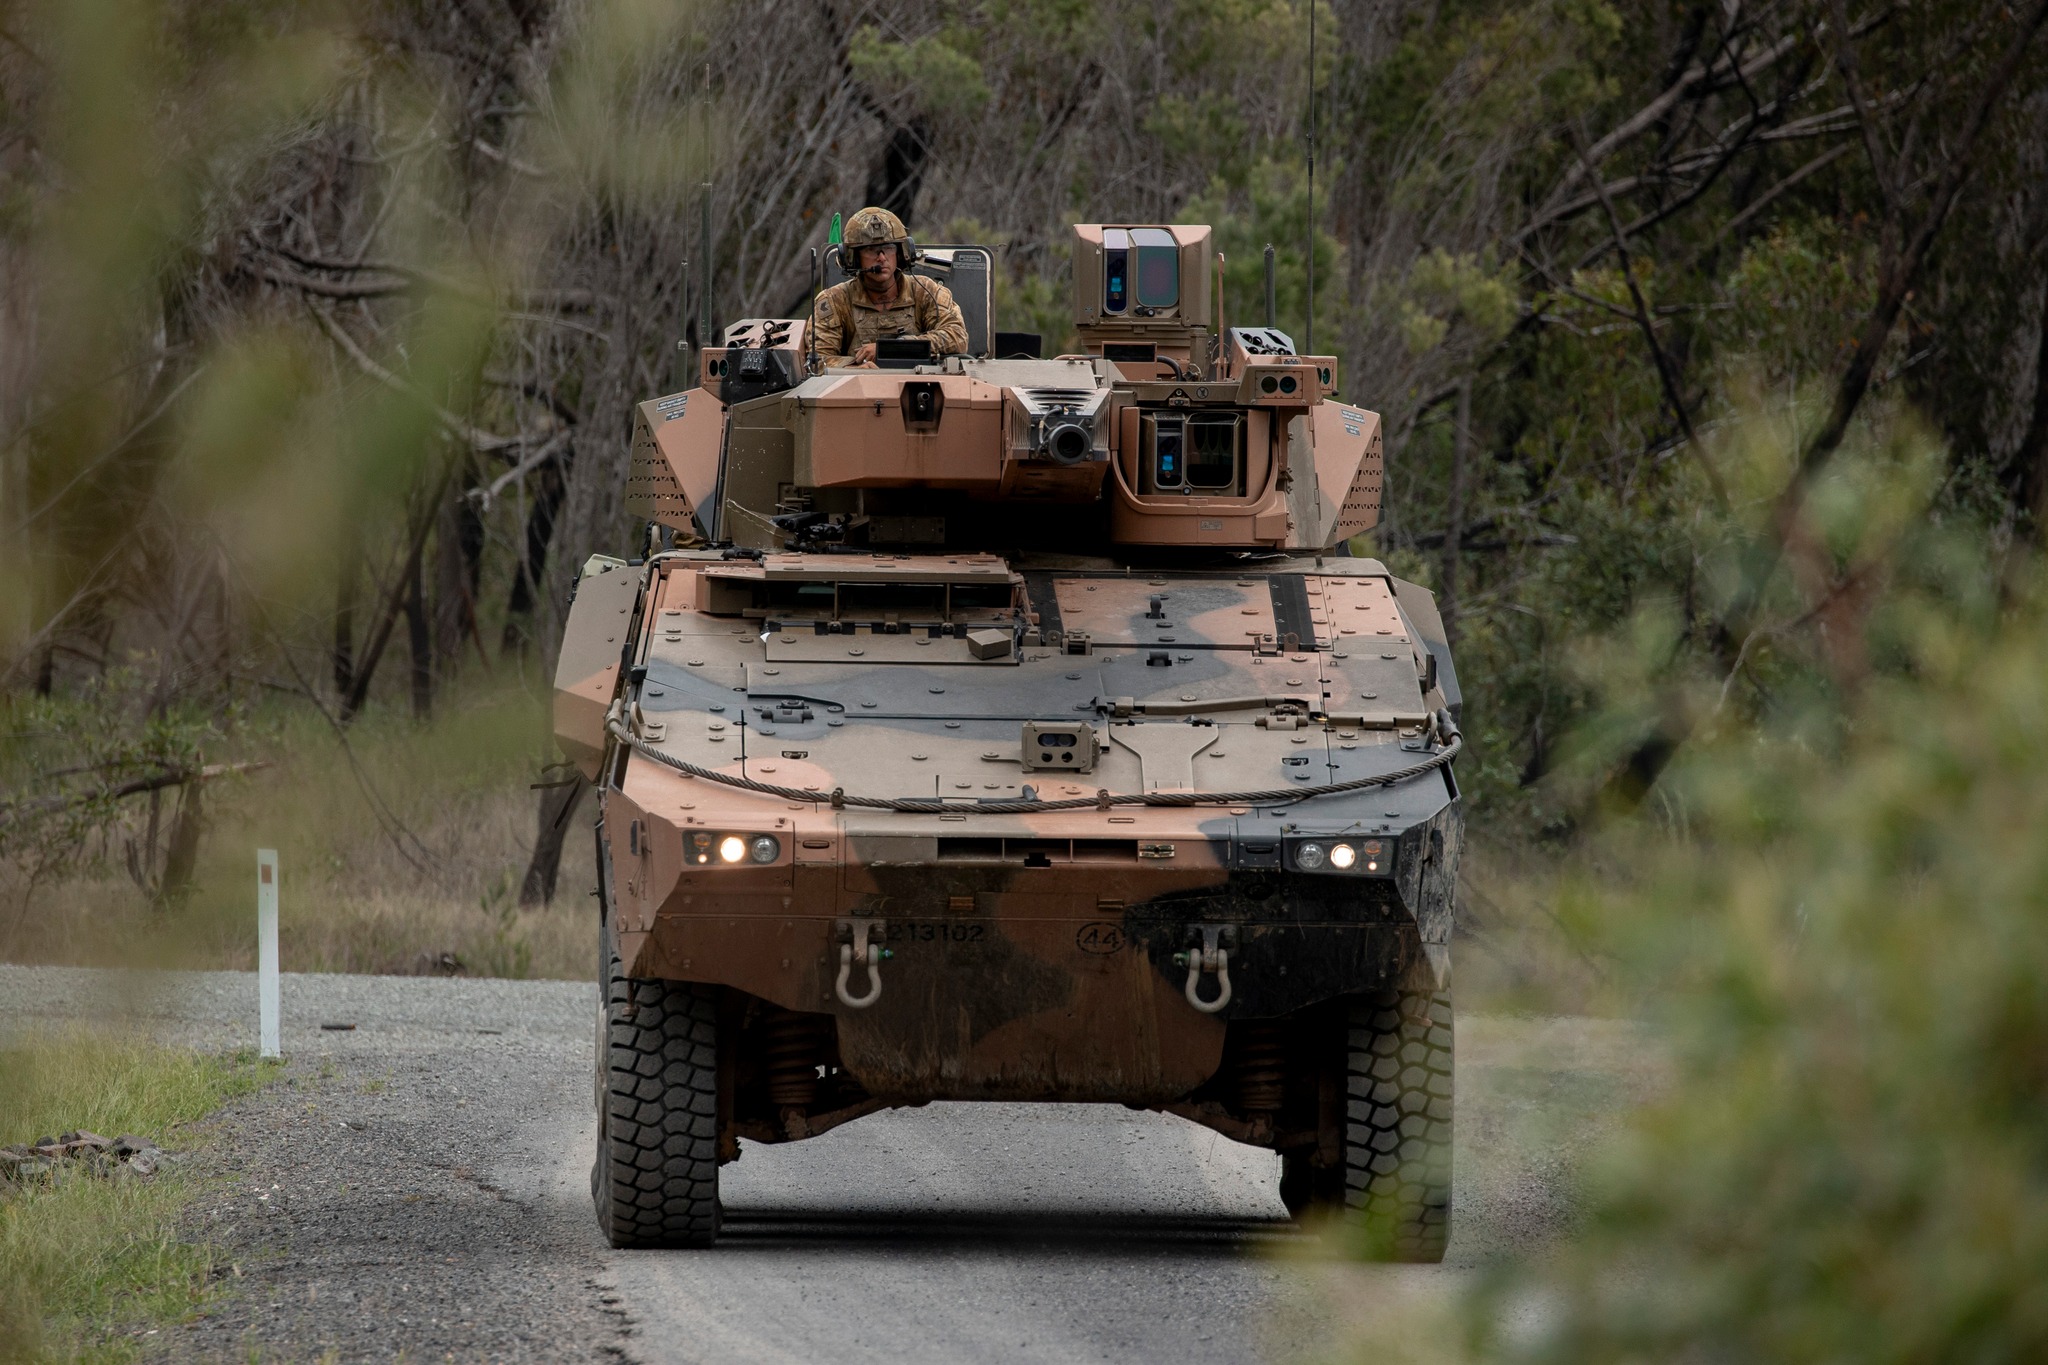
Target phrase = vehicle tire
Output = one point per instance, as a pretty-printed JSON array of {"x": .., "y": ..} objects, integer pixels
[
  {"x": 655, "y": 1181},
  {"x": 1397, "y": 1149}
]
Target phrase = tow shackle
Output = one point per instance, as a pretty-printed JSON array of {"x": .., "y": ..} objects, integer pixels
[
  {"x": 854, "y": 947},
  {"x": 1211, "y": 955}
]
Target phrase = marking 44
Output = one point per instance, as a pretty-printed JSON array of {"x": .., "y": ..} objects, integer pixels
[{"x": 1100, "y": 938}]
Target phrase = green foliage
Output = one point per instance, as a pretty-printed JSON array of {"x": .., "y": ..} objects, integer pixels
[
  {"x": 1270, "y": 206},
  {"x": 82, "y": 1259},
  {"x": 930, "y": 73},
  {"x": 1794, "y": 300},
  {"x": 1443, "y": 289},
  {"x": 1847, "y": 955},
  {"x": 112, "y": 1083},
  {"x": 1466, "y": 76},
  {"x": 1205, "y": 129},
  {"x": 1586, "y": 527}
]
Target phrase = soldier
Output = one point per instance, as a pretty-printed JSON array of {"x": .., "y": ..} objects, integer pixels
[{"x": 883, "y": 300}]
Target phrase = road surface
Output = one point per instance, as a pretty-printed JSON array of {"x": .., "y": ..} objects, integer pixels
[{"x": 418, "y": 1186}]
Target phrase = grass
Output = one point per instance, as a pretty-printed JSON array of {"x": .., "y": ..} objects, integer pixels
[
  {"x": 404, "y": 845},
  {"x": 87, "y": 1265}
]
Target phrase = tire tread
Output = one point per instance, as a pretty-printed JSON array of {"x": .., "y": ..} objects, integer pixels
[
  {"x": 655, "y": 1181},
  {"x": 1397, "y": 1176}
]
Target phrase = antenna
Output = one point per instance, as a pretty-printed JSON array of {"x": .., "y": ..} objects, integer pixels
[
  {"x": 1272, "y": 312},
  {"x": 704, "y": 285},
  {"x": 683, "y": 345},
  {"x": 1308, "y": 340},
  {"x": 704, "y": 223},
  {"x": 811, "y": 322}
]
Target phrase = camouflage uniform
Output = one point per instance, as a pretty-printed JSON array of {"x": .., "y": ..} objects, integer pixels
[{"x": 924, "y": 309}]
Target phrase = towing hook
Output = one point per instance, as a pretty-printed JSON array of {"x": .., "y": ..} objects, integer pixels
[
  {"x": 869, "y": 955},
  {"x": 1211, "y": 956}
]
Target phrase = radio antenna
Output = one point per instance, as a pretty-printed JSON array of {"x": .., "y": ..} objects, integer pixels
[
  {"x": 811, "y": 322},
  {"x": 1308, "y": 341}
]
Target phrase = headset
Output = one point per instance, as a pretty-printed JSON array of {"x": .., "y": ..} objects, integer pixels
[{"x": 906, "y": 256}]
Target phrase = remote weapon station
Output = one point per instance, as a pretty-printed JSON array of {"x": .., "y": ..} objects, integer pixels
[{"x": 995, "y": 728}]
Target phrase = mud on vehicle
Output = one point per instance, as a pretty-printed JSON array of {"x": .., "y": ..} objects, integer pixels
[{"x": 987, "y": 727}]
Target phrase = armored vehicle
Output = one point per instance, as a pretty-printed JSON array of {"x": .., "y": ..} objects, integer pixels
[{"x": 987, "y": 727}]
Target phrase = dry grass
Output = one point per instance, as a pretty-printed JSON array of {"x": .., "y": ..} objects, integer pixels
[
  {"x": 395, "y": 852},
  {"x": 1520, "y": 949}
]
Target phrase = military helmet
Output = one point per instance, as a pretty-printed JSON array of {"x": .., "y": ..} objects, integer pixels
[{"x": 874, "y": 226}]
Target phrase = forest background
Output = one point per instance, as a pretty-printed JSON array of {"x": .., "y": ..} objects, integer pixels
[{"x": 1709, "y": 342}]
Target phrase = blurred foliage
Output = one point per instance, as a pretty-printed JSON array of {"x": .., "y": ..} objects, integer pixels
[{"x": 1834, "y": 919}]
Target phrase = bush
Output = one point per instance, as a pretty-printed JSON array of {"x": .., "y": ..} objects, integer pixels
[{"x": 1848, "y": 953}]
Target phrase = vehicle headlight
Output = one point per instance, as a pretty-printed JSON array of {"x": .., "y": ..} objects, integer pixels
[
  {"x": 1342, "y": 856},
  {"x": 731, "y": 848},
  {"x": 765, "y": 848},
  {"x": 1308, "y": 856},
  {"x": 1378, "y": 857}
]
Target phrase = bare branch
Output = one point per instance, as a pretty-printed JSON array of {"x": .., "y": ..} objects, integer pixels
[
  {"x": 531, "y": 299},
  {"x": 1873, "y": 146},
  {"x": 336, "y": 289},
  {"x": 551, "y": 448},
  {"x": 1695, "y": 77},
  {"x": 1666, "y": 371},
  {"x": 156, "y": 781},
  {"x": 1770, "y": 196},
  {"x": 1896, "y": 277}
]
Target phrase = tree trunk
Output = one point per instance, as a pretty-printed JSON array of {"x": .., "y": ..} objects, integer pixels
[
  {"x": 181, "y": 855},
  {"x": 458, "y": 563},
  {"x": 419, "y": 638},
  {"x": 345, "y": 611},
  {"x": 899, "y": 172},
  {"x": 530, "y": 572},
  {"x": 223, "y": 632},
  {"x": 557, "y": 804}
]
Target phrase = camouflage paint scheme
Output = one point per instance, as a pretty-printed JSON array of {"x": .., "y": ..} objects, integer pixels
[{"x": 1033, "y": 956}]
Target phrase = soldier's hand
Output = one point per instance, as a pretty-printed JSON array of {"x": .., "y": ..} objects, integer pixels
[{"x": 865, "y": 355}]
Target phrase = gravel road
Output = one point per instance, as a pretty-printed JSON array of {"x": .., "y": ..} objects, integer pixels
[{"x": 417, "y": 1186}]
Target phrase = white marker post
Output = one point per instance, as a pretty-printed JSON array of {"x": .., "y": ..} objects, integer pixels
[{"x": 266, "y": 948}]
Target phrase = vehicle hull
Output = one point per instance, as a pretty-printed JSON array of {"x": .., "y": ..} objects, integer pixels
[{"x": 1058, "y": 983}]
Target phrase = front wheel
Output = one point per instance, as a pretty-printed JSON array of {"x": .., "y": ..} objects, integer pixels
[
  {"x": 1397, "y": 1123},
  {"x": 655, "y": 1180}
]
